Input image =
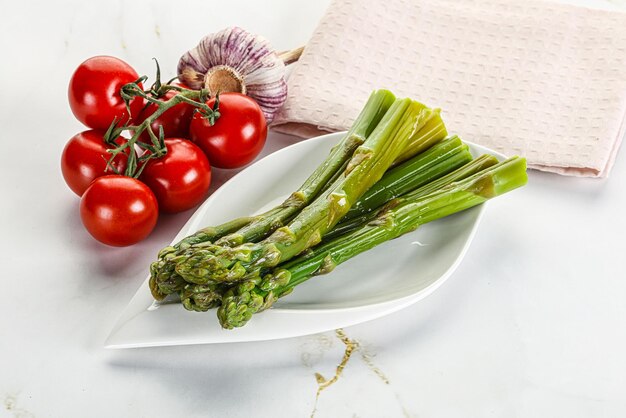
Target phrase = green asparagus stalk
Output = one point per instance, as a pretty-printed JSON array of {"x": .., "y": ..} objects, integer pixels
[
  {"x": 367, "y": 165},
  {"x": 473, "y": 167},
  {"x": 240, "y": 302},
  {"x": 163, "y": 277}
]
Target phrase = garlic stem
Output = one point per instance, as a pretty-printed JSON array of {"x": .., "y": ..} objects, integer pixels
[{"x": 291, "y": 56}]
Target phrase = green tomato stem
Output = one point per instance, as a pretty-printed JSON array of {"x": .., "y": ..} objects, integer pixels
[{"x": 157, "y": 149}]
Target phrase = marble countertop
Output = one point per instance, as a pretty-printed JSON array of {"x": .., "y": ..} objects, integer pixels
[{"x": 532, "y": 324}]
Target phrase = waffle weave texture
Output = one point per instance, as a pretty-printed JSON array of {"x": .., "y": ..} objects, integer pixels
[{"x": 532, "y": 78}]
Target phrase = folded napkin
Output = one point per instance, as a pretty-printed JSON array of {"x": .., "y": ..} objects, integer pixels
[{"x": 534, "y": 78}]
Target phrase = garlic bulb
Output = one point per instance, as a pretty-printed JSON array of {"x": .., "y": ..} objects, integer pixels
[{"x": 234, "y": 60}]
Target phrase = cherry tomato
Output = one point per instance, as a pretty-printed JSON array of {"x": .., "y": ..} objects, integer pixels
[
  {"x": 175, "y": 121},
  {"x": 85, "y": 158},
  {"x": 118, "y": 210},
  {"x": 94, "y": 91},
  {"x": 180, "y": 180},
  {"x": 238, "y": 135}
]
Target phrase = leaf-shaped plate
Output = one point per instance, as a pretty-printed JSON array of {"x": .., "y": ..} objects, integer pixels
[{"x": 381, "y": 281}]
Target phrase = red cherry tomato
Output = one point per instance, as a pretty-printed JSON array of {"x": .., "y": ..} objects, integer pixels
[
  {"x": 85, "y": 158},
  {"x": 94, "y": 91},
  {"x": 175, "y": 120},
  {"x": 118, "y": 210},
  {"x": 180, "y": 180},
  {"x": 238, "y": 135}
]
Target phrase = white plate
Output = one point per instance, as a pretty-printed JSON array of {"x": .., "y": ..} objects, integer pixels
[{"x": 381, "y": 281}]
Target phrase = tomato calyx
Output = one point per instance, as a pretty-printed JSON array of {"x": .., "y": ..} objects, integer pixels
[
  {"x": 153, "y": 96},
  {"x": 216, "y": 112}
]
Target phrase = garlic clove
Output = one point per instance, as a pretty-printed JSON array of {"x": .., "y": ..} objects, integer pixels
[{"x": 236, "y": 60}]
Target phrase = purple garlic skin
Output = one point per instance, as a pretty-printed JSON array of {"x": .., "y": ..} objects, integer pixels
[{"x": 246, "y": 60}]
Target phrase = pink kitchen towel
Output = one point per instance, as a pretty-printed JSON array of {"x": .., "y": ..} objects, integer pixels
[{"x": 533, "y": 78}]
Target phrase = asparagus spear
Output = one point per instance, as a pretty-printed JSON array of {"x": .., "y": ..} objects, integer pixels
[
  {"x": 163, "y": 277},
  {"x": 240, "y": 302},
  {"x": 367, "y": 165}
]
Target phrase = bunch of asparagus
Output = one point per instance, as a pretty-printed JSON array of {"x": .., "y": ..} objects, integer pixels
[{"x": 393, "y": 171}]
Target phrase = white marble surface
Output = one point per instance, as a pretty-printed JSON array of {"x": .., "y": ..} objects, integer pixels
[{"x": 533, "y": 323}]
